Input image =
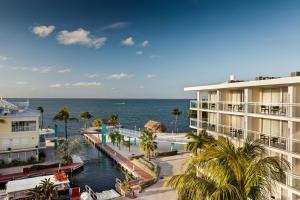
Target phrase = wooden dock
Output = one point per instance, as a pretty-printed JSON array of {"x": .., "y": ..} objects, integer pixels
[
  {"x": 42, "y": 172},
  {"x": 124, "y": 162}
]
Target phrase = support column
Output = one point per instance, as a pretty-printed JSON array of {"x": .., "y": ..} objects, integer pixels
[
  {"x": 198, "y": 111},
  {"x": 218, "y": 109},
  {"x": 247, "y": 120},
  {"x": 291, "y": 127}
]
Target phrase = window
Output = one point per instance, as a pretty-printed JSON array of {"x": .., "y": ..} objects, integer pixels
[{"x": 19, "y": 126}]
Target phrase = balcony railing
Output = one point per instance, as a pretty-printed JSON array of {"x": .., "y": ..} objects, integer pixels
[
  {"x": 269, "y": 140},
  {"x": 23, "y": 128},
  {"x": 266, "y": 139},
  {"x": 276, "y": 109}
]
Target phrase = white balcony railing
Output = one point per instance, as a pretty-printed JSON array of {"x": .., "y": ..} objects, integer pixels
[
  {"x": 276, "y": 109},
  {"x": 267, "y": 139},
  {"x": 23, "y": 128}
]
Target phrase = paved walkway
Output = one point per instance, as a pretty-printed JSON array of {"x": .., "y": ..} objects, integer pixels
[{"x": 125, "y": 162}]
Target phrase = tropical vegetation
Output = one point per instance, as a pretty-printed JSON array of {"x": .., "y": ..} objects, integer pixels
[
  {"x": 224, "y": 172},
  {"x": 85, "y": 116},
  {"x": 45, "y": 191},
  {"x": 64, "y": 116},
  {"x": 112, "y": 137},
  {"x": 67, "y": 149},
  {"x": 41, "y": 109},
  {"x": 119, "y": 139},
  {"x": 114, "y": 119},
  {"x": 197, "y": 141},
  {"x": 176, "y": 112},
  {"x": 147, "y": 142}
]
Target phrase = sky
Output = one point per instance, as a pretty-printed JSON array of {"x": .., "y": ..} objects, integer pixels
[{"x": 142, "y": 49}]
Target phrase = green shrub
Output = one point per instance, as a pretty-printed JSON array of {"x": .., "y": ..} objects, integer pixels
[
  {"x": 40, "y": 167},
  {"x": 166, "y": 153}
]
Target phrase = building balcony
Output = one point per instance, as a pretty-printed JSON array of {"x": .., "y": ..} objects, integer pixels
[
  {"x": 268, "y": 140},
  {"x": 271, "y": 109}
]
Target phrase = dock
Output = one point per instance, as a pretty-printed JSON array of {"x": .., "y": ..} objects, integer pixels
[
  {"x": 42, "y": 172},
  {"x": 124, "y": 162}
]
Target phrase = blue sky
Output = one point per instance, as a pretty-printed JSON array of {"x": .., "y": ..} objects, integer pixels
[{"x": 142, "y": 49}]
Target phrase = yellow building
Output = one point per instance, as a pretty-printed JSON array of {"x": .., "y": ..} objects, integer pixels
[
  {"x": 267, "y": 109},
  {"x": 20, "y": 137}
]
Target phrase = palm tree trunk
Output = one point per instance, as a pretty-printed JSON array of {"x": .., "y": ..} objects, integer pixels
[
  {"x": 42, "y": 125},
  {"x": 66, "y": 131}
]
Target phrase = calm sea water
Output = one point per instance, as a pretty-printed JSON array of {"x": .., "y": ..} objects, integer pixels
[{"x": 100, "y": 171}]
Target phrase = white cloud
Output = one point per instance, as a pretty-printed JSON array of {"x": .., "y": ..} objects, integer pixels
[
  {"x": 62, "y": 71},
  {"x": 20, "y": 68},
  {"x": 141, "y": 87},
  {"x": 128, "y": 41},
  {"x": 116, "y": 25},
  {"x": 91, "y": 75},
  {"x": 120, "y": 76},
  {"x": 87, "y": 84},
  {"x": 43, "y": 31},
  {"x": 56, "y": 85},
  {"x": 145, "y": 43},
  {"x": 80, "y": 37},
  {"x": 151, "y": 76},
  {"x": 154, "y": 56},
  {"x": 42, "y": 69},
  {"x": 139, "y": 53},
  {"x": 4, "y": 58},
  {"x": 67, "y": 84},
  {"x": 21, "y": 82}
]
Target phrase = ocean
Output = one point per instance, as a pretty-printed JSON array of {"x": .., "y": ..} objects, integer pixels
[{"x": 100, "y": 172}]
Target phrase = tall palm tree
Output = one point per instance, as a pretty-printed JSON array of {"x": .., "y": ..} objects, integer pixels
[
  {"x": 114, "y": 119},
  {"x": 85, "y": 116},
  {"x": 64, "y": 116},
  {"x": 197, "y": 141},
  {"x": 46, "y": 191},
  {"x": 147, "y": 142},
  {"x": 41, "y": 109},
  {"x": 112, "y": 137},
  {"x": 119, "y": 138},
  {"x": 224, "y": 171},
  {"x": 176, "y": 112}
]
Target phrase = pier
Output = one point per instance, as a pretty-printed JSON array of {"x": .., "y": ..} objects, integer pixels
[
  {"x": 68, "y": 168},
  {"x": 124, "y": 162}
]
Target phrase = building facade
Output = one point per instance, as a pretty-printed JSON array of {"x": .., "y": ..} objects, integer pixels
[
  {"x": 20, "y": 136},
  {"x": 267, "y": 109}
]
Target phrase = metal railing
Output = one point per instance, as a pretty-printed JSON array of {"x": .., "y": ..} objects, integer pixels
[
  {"x": 23, "y": 128},
  {"x": 277, "y": 109}
]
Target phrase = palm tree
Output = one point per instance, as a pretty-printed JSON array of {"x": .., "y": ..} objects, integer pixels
[
  {"x": 197, "y": 141},
  {"x": 113, "y": 138},
  {"x": 64, "y": 115},
  {"x": 67, "y": 149},
  {"x": 85, "y": 116},
  {"x": 114, "y": 119},
  {"x": 41, "y": 109},
  {"x": 46, "y": 191},
  {"x": 176, "y": 112},
  {"x": 119, "y": 138},
  {"x": 224, "y": 171},
  {"x": 147, "y": 142}
]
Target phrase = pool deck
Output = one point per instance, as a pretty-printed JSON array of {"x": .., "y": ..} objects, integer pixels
[{"x": 120, "y": 159}]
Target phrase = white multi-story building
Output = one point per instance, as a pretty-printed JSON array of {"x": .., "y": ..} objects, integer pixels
[{"x": 267, "y": 109}]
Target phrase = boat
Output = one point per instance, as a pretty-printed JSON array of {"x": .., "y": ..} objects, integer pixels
[{"x": 19, "y": 189}]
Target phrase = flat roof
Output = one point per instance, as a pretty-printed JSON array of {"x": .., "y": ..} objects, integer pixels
[
  {"x": 245, "y": 84},
  {"x": 30, "y": 183}
]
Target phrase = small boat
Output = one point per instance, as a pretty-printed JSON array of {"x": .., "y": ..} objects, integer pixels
[
  {"x": 120, "y": 103},
  {"x": 20, "y": 189}
]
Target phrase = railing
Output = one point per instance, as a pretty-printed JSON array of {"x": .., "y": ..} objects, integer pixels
[
  {"x": 23, "y": 128},
  {"x": 269, "y": 140},
  {"x": 277, "y": 109},
  {"x": 193, "y": 122},
  {"x": 231, "y": 131},
  {"x": 296, "y": 146}
]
